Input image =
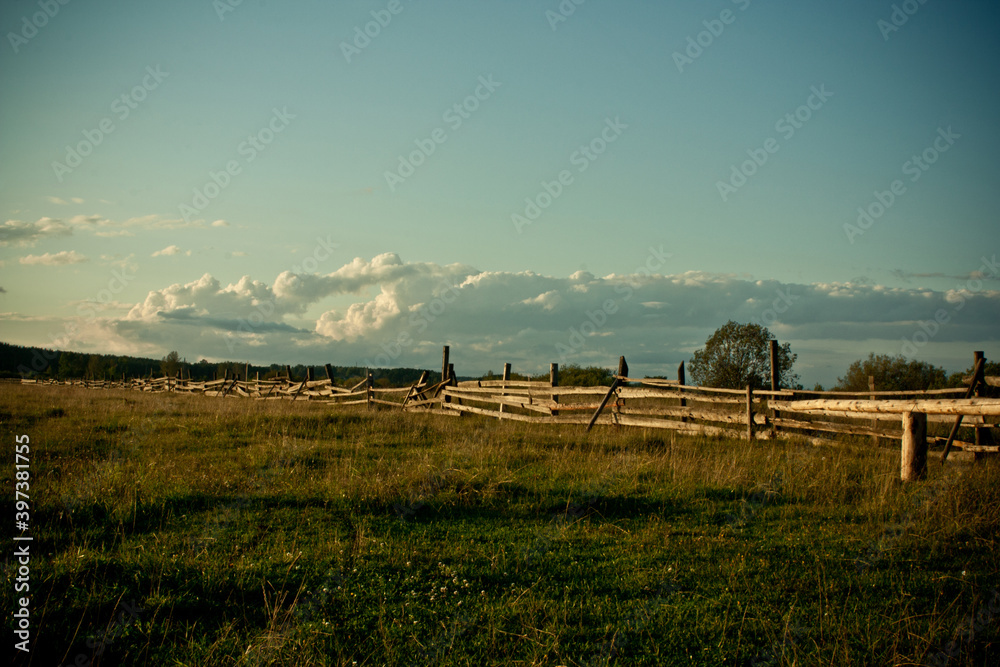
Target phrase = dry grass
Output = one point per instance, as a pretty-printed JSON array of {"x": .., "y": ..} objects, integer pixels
[{"x": 279, "y": 533}]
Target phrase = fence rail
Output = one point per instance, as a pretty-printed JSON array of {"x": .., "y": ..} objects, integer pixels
[{"x": 648, "y": 403}]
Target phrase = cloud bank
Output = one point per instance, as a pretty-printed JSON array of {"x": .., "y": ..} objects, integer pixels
[{"x": 387, "y": 312}]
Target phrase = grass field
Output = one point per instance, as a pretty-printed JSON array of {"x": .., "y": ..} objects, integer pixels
[{"x": 184, "y": 530}]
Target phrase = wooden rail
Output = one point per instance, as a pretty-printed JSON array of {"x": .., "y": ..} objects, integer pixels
[{"x": 748, "y": 414}]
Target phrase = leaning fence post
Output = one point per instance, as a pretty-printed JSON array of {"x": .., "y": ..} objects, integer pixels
[
  {"x": 979, "y": 381},
  {"x": 749, "y": 413},
  {"x": 977, "y": 373},
  {"x": 913, "y": 465}
]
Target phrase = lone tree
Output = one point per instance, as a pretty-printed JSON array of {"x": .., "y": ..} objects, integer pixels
[
  {"x": 738, "y": 355},
  {"x": 892, "y": 374},
  {"x": 171, "y": 364}
]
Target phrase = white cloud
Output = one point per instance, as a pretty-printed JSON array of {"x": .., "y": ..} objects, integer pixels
[
  {"x": 57, "y": 259},
  {"x": 168, "y": 251},
  {"x": 220, "y": 223},
  {"x": 394, "y": 313},
  {"x": 57, "y": 201}
]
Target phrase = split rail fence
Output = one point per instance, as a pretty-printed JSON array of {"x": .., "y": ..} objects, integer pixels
[{"x": 910, "y": 417}]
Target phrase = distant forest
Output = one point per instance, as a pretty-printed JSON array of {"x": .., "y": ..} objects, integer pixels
[{"x": 34, "y": 362}]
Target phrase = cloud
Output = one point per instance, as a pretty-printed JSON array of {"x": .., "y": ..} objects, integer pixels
[
  {"x": 90, "y": 221},
  {"x": 57, "y": 259},
  {"x": 206, "y": 297},
  {"x": 238, "y": 253},
  {"x": 57, "y": 201},
  {"x": 171, "y": 250},
  {"x": 2, "y": 290},
  {"x": 16, "y": 232},
  {"x": 220, "y": 223},
  {"x": 388, "y": 312},
  {"x": 168, "y": 251}
]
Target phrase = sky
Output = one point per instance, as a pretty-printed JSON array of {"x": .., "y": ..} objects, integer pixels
[{"x": 527, "y": 181}]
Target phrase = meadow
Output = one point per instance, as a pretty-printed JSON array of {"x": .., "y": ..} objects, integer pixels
[{"x": 187, "y": 530}]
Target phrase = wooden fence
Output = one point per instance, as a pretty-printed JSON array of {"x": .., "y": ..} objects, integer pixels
[{"x": 907, "y": 416}]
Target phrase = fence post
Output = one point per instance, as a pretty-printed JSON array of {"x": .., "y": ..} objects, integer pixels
[
  {"x": 681, "y": 382},
  {"x": 749, "y": 413},
  {"x": 872, "y": 397},
  {"x": 775, "y": 376},
  {"x": 554, "y": 382},
  {"x": 914, "y": 450},
  {"x": 775, "y": 384},
  {"x": 368, "y": 389},
  {"x": 506, "y": 378},
  {"x": 978, "y": 381},
  {"x": 623, "y": 373}
]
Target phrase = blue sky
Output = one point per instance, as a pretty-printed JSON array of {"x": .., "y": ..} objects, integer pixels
[{"x": 317, "y": 246}]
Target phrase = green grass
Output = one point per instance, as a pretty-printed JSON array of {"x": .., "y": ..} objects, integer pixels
[{"x": 277, "y": 533}]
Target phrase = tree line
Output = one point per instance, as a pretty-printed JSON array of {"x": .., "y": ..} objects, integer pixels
[
  {"x": 733, "y": 357},
  {"x": 33, "y": 362}
]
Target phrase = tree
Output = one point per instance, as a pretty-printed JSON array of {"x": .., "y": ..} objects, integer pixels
[
  {"x": 95, "y": 367},
  {"x": 72, "y": 365},
  {"x": 992, "y": 368},
  {"x": 892, "y": 374},
  {"x": 171, "y": 364},
  {"x": 738, "y": 355}
]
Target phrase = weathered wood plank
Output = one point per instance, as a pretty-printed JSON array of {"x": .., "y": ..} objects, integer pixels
[
  {"x": 692, "y": 413},
  {"x": 833, "y": 427},
  {"x": 884, "y": 416},
  {"x": 954, "y": 406}
]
